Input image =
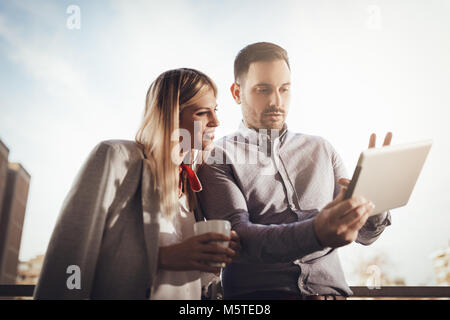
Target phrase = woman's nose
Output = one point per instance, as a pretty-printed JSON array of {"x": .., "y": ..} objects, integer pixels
[{"x": 214, "y": 121}]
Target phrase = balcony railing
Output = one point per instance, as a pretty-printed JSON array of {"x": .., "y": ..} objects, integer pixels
[{"x": 405, "y": 292}]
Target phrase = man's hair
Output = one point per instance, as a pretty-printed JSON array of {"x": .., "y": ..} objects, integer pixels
[{"x": 260, "y": 51}]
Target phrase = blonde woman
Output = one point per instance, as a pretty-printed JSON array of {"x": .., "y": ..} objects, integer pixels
[{"x": 126, "y": 227}]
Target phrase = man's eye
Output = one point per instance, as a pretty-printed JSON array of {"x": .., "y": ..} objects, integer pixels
[
  {"x": 263, "y": 90},
  {"x": 285, "y": 89},
  {"x": 200, "y": 113}
]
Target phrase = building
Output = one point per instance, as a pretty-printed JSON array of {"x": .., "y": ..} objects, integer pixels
[
  {"x": 441, "y": 264},
  {"x": 4, "y": 152},
  {"x": 12, "y": 213},
  {"x": 28, "y": 271}
]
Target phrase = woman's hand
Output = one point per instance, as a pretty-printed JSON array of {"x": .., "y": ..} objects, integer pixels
[
  {"x": 235, "y": 244},
  {"x": 196, "y": 252}
]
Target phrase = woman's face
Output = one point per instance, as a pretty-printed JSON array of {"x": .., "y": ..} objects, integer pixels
[{"x": 200, "y": 121}]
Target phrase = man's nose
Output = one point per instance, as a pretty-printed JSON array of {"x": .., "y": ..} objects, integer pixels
[{"x": 276, "y": 100}]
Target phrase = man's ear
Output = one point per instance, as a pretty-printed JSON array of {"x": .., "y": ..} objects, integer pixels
[{"x": 236, "y": 92}]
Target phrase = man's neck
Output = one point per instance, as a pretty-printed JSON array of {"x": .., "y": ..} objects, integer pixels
[{"x": 270, "y": 132}]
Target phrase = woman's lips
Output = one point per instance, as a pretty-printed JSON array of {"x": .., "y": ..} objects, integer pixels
[{"x": 208, "y": 135}]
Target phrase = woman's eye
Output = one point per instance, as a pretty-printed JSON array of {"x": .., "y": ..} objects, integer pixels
[{"x": 205, "y": 112}]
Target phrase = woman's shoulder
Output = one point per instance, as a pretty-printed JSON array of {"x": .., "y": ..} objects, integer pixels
[
  {"x": 124, "y": 148},
  {"x": 117, "y": 154}
]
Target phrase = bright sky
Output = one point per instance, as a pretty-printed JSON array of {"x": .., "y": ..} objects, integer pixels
[{"x": 358, "y": 67}]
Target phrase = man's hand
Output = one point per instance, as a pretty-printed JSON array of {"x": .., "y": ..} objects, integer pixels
[
  {"x": 339, "y": 222},
  {"x": 373, "y": 140},
  {"x": 372, "y": 143}
]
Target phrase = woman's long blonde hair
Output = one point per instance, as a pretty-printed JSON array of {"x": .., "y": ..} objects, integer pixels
[{"x": 166, "y": 98}]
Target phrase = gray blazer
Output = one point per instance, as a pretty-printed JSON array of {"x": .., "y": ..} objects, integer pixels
[{"x": 108, "y": 227}]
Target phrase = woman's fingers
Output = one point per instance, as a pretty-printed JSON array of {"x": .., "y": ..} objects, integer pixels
[
  {"x": 217, "y": 249},
  {"x": 236, "y": 246},
  {"x": 212, "y": 236},
  {"x": 235, "y": 242},
  {"x": 220, "y": 258}
]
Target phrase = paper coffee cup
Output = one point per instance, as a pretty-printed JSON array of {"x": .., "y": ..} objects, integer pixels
[{"x": 214, "y": 226}]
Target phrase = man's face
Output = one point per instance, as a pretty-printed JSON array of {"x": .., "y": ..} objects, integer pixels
[{"x": 264, "y": 93}]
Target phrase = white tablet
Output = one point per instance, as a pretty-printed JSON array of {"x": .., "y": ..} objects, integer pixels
[{"x": 387, "y": 175}]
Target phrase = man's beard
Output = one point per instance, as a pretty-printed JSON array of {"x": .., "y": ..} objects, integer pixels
[
  {"x": 273, "y": 123},
  {"x": 263, "y": 121}
]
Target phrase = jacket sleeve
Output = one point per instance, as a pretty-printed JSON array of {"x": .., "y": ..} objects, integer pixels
[
  {"x": 221, "y": 198},
  {"x": 376, "y": 224},
  {"x": 77, "y": 236}
]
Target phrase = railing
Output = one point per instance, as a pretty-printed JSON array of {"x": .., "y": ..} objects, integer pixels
[
  {"x": 405, "y": 292},
  {"x": 16, "y": 290}
]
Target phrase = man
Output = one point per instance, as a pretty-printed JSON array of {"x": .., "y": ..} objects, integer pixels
[{"x": 281, "y": 205}]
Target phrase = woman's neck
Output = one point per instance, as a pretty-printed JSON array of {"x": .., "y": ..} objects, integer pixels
[{"x": 182, "y": 156}]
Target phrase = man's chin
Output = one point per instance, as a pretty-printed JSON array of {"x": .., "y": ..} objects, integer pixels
[{"x": 274, "y": 125}]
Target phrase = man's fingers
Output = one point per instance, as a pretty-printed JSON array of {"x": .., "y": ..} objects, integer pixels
[
  {"x": 344, "y": 182},
  {"x": 356, "y": 214},
  {"x": 338, "y": 198},
  {"x": 387, "y": 139},
  {"x": 373, "y": 140},
  {"x": 340, "y": 209},
  {"x": 359, "y": 223}
]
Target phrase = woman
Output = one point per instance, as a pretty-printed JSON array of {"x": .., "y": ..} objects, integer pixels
[{"x": 126, "y": 227}]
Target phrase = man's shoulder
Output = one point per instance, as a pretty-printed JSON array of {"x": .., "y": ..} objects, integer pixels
[
  {"x": 291, "y": 137},
  {"x": 307, "y": 138},
  {"x": 310, "y": 144}
]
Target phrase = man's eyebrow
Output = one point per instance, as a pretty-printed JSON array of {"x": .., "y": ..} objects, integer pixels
[{"x": 265, "y": 84}]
